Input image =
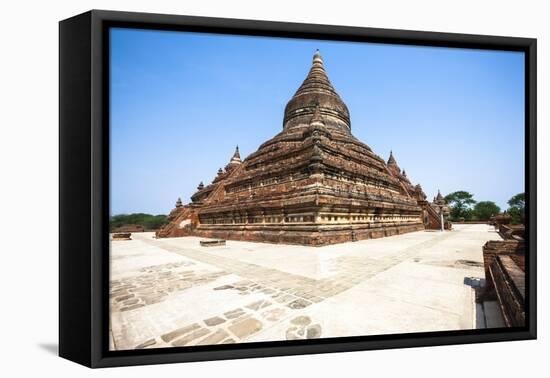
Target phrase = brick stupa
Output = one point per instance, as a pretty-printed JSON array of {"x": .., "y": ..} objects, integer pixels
[{"x": 312, "y": 184}]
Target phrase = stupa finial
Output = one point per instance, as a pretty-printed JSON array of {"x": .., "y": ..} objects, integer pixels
[{"x": 317, "y": 58}]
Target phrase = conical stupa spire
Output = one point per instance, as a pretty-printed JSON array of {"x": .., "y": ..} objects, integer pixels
[
  {"x": 317, "y": 90},
  {"x": 317, "y": 79}
]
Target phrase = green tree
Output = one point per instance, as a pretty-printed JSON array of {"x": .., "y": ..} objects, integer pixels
[
  {"x": 517, "y": 208},
  {"x": 461, "y": 203},
  {"x": 467, "y": 214},
  {"x": 148, "y": 221},
  {"x": 485, "y": 209}
]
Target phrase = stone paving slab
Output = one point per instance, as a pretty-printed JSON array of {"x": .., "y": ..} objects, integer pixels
[{"x": 172, "y": 292}]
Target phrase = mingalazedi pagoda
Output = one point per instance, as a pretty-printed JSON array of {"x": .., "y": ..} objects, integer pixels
[{"x": 314, "y": 183}]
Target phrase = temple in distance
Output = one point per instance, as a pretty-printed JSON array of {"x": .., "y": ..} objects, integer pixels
[{"x": 314, "y": 183}]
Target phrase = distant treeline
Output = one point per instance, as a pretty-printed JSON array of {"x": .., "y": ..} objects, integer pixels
[
  {"x": 464, "y": 207},
  {"x": 148, "y": 221}
]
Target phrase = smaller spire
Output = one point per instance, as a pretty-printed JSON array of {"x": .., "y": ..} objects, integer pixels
[
  {"x": 178, "y": 203},
  {"x": 234, "y": 162},
  {"x": 439, "y": 198},
  {"x": 236, "y": 159},
  {"x": 391, "y": 159},
  {"x": 404, "y": 173},
  {"x": 420, "y": 192},
  {"x": 201, "y": 186}
]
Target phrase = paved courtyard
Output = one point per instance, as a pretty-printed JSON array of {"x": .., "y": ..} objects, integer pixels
[{"x": 173, "y": 292}]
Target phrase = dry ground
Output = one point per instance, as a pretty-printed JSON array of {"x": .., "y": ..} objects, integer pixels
[{"x": 173, "y": 292}]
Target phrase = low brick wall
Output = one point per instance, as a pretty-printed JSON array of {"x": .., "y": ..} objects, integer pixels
[
  {"x": 509, "y": 283},
  {"x": 129, "y": 228},
  {"x": 505, "y": 278},
  {"x": 508, "y": 231}
]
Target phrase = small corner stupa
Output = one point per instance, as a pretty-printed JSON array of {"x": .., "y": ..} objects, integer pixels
[{"x": 314, "y": 183}]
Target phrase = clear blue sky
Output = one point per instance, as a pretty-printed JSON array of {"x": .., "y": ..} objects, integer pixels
[{"x": 180, "y": 102}]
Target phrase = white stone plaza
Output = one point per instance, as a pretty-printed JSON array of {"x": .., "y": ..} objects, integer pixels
[{"x": 173, "y": 292}]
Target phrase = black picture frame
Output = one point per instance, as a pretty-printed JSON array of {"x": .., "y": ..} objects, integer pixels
[{"x": 84, "y": 187}]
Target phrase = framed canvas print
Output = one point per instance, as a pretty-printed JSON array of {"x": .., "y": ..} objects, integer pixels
[{"x": 234, "y": 188}]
